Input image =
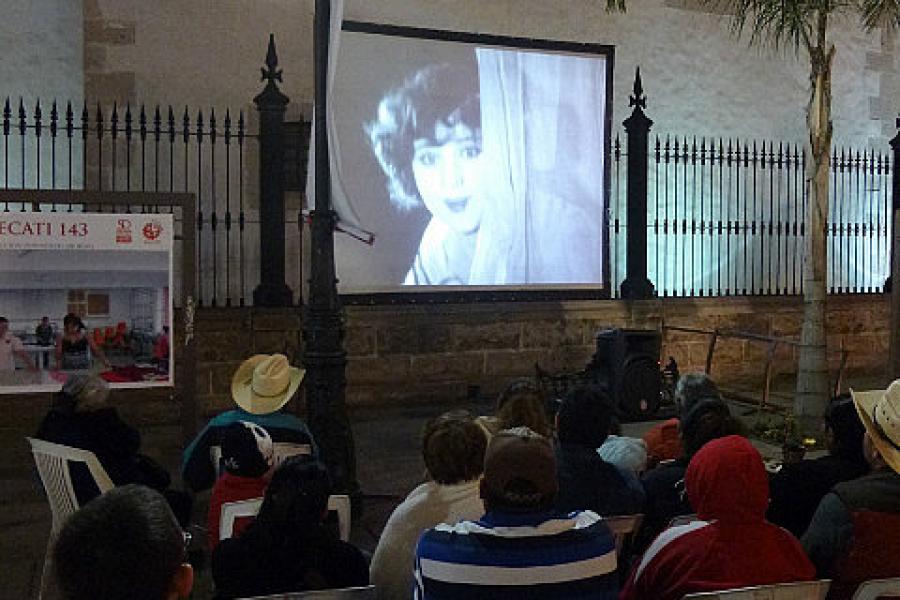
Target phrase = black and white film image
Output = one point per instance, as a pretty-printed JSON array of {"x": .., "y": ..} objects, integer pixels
[
  {"x": 473, "y": 166},
  {"x": 65, "y": 311}
]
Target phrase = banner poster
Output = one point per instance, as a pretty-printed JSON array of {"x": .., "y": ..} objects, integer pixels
[{"x": 85, "y": 292}]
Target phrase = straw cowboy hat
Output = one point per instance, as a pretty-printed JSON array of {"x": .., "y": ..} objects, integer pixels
[
  {"x": 880, "y": 413},
  {"x": 264, "y": 383}
]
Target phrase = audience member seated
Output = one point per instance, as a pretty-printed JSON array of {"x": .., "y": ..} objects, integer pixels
[
  {"x": 854, "y": 534},
  {"x": 663, "y": 440},
  {"x": 626, "y": 453},
  {"x": 664, "y": 486},
  {"x": 248, "y": 456},
  {"x": 731, "y": 545},
  {"x": 124, "y": 545},
  {"x": 82, "y": 418},
  {"x": 261, "y": 386},
  {"x": 288, "y": 548},
  {"x": 798, "y": 487},
  {"x": 453, "y": 448},
  {"x": 586, "y": 481},
  {"x": 521, "y": 404},
  {"x": 520, "y": 548}
]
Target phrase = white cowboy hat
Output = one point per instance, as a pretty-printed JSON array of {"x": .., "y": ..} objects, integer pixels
[
  {"x": 264, "y": 383},
  {"x": 879, "y": 411}
]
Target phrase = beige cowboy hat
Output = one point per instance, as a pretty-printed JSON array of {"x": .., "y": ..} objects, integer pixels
[
  {"x": 879, "y": 411},
  {"x": 264, "y": 383}
]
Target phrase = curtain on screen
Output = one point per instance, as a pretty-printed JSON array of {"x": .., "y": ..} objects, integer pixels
[{"x": 543, "y": 140}]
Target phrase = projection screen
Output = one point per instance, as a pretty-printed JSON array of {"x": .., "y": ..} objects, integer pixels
[{"x": 473, "y": 161}]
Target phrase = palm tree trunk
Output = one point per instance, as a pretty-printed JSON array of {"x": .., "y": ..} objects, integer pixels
[{"x": 813, "y": 392}]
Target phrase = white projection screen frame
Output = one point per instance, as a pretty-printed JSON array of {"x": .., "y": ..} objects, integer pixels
[{"x": 479, "y": 164}]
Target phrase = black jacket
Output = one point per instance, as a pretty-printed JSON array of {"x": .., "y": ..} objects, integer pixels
[
  {"x": 587, "y": 482},
  {"x": 114, "y": 442},
  {"x": 798, "y": 488},
  {"x": 259, "y": 564}
]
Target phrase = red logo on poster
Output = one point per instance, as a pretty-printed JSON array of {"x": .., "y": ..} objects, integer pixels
[
  {"x": 123, "y": 231},
  {"x": 152, "y": 231}
]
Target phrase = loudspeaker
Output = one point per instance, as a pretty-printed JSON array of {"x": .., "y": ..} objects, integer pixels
[{"x": 627, "y": 361}]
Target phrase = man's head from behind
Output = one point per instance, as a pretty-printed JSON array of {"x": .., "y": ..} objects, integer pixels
[
  {"x": 519, "y": 472},
  {"x": 453, "y": 448},
  {"x": 584, "y": 417},
  {"x": 124, "y": 544},
  {"x": 708, "y": 419},
  {"x": 844, "y": 429}
]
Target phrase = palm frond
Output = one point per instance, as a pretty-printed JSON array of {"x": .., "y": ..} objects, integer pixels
[{"x": 879, "y": 13}]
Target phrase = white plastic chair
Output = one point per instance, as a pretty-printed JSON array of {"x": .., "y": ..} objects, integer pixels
[
  {"x": 232, "y": 510},
  {"x": 802, "y": 590},
  {"x": 340, "y": 503},
  {"x": 250, "y": 508},
  {"x": 623, "y": 527},
  {"x": 354, "y": 593},
  {"x": 875, "y": 588},
  {"x": 52, "y": 462},
  {"x": 282, "y": 451}
]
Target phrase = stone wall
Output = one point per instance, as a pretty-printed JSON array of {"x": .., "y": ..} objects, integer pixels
[{"x": 421, "y": 354}]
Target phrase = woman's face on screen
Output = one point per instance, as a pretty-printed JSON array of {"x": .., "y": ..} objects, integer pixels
[{"x": 448, "y": 175}]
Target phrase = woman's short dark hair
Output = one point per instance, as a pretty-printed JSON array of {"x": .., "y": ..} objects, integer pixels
[
  {"x": 435, "y": 94},
  {"x": 297, "y": 496},
  {"x": 123, "y": 544},
  {"x": 453, "y": 448},
  {"x": 523, "y": 404},
  {"x": 585, "y": 416},
  {"x": 846, "y": 428},
  {"x": 707, "y": 420},
  {"x": 73, "y": 319}
]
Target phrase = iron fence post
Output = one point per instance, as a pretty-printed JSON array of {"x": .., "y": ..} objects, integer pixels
[
  {"x": 272, "y": 289},
  {"x": 636, "y": 284},
  {"x": 323, "y": 319}
]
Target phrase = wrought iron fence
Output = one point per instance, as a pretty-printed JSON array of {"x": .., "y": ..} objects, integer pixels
[
  {"x": 727, "y": 217},
  {"x": 211, "y": 154}
]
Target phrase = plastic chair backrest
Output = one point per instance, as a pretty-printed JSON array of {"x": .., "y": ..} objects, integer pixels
[
  {"x": 250, "y": 508},
  {"x": 52, "y": 465},
  {"x": 877, "y": 588},
  {"x": 801, "y": 590},
  {"x": 341, "y": 505},
  {"x": 355, "y": 593},
  {"x": 623, "y": 527},
  {"x": 233, "y": 510},
  {"x": 682, "y": 520}
]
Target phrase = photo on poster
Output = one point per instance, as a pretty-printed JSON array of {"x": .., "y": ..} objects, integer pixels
[
  {"x": 85, "y": 292},
  {"x": 470, "y": 163}
]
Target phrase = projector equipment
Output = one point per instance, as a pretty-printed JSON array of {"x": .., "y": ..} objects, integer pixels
[{"x": 627, "y": 363}]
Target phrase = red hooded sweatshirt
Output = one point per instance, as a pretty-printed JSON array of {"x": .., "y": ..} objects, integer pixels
[{"x": 731, "y": 545}]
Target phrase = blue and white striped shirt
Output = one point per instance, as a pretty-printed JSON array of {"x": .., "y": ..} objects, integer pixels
[{"x": 516, "y": 557}]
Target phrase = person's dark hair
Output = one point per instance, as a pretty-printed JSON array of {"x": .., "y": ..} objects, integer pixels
[
  {"x": 709, "y": 419},
  {"x": 847, "y": 430},
  {"x": 585, "y": 416},
  {"x": 523, "y": 404},
  {"x": 4, "y": 320},
  {"x": 123, "y": 545},
  {"x": 72, "y": 319},
  {"x": 296, "y": 497},
  {"x": 453, "y": 448},
  {"x": 435, "y": 94},
  {"x": 693, "y": 387}
]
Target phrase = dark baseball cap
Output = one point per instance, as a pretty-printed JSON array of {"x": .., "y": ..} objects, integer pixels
[{"x": 520, "y": 455}]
